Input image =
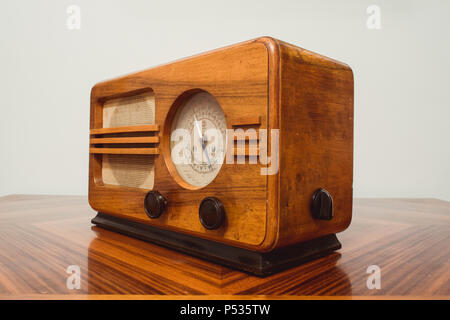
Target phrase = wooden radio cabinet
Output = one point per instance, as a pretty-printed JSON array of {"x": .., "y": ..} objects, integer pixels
[{"x": 233, "y": 206}]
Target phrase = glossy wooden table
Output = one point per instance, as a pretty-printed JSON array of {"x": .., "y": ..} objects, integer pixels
[{"x": 40, "y": 236}]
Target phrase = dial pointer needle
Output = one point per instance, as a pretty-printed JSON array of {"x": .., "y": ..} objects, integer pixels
[
  {"x": 202, "y": 141},
  {"x": 198, "y": 128}
]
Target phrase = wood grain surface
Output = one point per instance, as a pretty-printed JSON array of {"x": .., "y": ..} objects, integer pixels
[
  {"x": 237, "y": 77},
  {"x": 40, "y": 236},
  {"x": 261, "y": 84}
]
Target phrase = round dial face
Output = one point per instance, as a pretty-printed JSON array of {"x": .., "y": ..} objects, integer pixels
[{"x": 198, "y": 139}]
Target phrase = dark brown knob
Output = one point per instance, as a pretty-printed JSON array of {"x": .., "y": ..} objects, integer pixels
[
  {"x": 322, "y": 205},
  {"x": 154, "y": 204},
  {"x": 211, "y": 213}
]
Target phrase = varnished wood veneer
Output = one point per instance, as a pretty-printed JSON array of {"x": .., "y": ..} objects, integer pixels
[
  {"x": 152, "y": 139},
  {"x": 40, "y": 236},
  {"x": 264, "y": 84},
  {"x": 241, "y": 90},
  {"x": 124, "y": 150},
  {"x": 142, "y": 128}
]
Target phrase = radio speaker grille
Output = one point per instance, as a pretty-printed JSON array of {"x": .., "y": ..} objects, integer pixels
[
  {"x": 129, "y": 111},
  {"x": 128, "y": 170},
  {"x": 136, "y": 171}
]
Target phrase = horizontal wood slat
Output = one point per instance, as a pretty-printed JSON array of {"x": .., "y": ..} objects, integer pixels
[
  {"x": 246, "y": 151},
  {"x": 154, "y": 139},
  {"x": 247, "y": 137},
  {"x": 145, "y": 128},
  {"x": 250, "y": 120},
  {"x": 124, "y": 150}
]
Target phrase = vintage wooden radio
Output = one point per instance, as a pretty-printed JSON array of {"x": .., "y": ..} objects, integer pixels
[{"x": 242, "y": 155}]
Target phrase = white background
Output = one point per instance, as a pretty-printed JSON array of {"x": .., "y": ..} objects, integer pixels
[{"x": 402, "y": 92}]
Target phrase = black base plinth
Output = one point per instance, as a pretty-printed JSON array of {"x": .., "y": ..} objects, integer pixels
[{"x": 260, "y": 264}]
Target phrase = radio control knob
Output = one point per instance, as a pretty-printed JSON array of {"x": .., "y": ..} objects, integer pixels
[
  {"x": 154, "y": 204},
  {"x": 211, "y": 213},
  {"x": 322, "y": 205}
]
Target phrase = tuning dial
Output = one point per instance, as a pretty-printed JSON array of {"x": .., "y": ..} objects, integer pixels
[
  {"x": 211, "y": 213},
  {"x": 322, "y": 205},
  {"x": 154, "y": 204}
]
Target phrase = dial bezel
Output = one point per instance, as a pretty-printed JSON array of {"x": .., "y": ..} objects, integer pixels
[{"x": 179, "y": 102}]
